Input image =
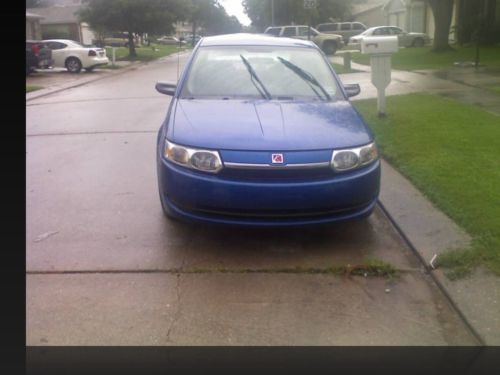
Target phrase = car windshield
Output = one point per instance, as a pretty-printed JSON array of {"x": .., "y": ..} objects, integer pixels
[{"x": 285, "y": 73}]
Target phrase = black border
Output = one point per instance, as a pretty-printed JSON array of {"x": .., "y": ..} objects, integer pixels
[{"x": 252, "y": 360}]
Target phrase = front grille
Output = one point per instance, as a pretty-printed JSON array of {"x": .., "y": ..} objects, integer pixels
[{"x": 271, "y": 174}]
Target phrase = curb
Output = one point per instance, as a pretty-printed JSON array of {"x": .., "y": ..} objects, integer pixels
[
  {"x": 48, "y": 91},
  {"x": 429, "y": 272}
]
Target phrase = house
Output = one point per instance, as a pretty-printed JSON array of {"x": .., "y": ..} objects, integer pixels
[
  {"x": 369, "y": 13},
  {"x": 33, "y": 28},
  {"x": 61, "y": 22}
]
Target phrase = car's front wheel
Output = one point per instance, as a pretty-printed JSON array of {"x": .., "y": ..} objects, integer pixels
[
  {"x": 330, "y": 48},
  {"x": 73, "y": 65}
]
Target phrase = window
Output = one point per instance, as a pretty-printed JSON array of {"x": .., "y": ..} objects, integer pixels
[
  {"x": 289, "y": 31},
  {"x": 303, "y": 31},
  {"x": 357, "y": 26},
  {"x": 207, "y": 77},
  {"x": 328, "y": 27},
  {"x": 273, "y": 31},
  {"x": 382, "y": 31},
  {"x": 345, "y": 26},
  {"x": 56, "y": 45},
  {"x": 396, "y": 31}
]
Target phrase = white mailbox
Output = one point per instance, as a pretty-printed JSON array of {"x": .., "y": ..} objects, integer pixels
[
  {"x": 378, "y": 45},
  {"x": 380, "y": 49}
]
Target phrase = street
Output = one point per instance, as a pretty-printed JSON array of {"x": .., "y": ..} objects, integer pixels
[{"x": 104, "y": 267}]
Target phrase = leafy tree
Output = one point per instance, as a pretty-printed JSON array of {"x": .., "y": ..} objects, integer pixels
[
  {"x": 212, "y": 17},
  {"x": 292, "y": 11},
  {"x": 133, "y": 16}
]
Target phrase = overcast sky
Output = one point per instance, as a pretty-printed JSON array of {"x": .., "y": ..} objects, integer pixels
[{"x": 234, "y": 8}]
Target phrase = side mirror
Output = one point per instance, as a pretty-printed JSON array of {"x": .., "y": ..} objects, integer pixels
[
  {"x": 352, "y": 89},
  {"x": 166, "y": 88}
]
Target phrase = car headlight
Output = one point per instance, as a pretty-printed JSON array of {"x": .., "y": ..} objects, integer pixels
[
  {"x": 343, "y": 160},
  {"x": 203, "y": 160}
]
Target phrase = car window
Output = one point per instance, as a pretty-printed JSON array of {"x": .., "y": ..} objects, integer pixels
[
  {"x": 381, "y": 31},
  {"x": 56, "y": 45},
  {"x": 303, "y": 31},
  {"x": 357, "y": 26},
  {"x": 328, "y": 27},
  {"x": 345, "y": 26},
  {"x": 289, "y": 31},
  {"x": 208, "y": 75},
  {"x": 395, "y": 30},
  {"x": 273, "y": 31}
]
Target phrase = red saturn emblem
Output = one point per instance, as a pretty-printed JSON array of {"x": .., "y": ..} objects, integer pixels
[{"x": 277, "y": 158}]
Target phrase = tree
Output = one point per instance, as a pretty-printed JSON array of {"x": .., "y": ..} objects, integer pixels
[
  {"x": 136, "y": 17},
  {"x": 211, "y": 16},
  {"x": 292, "y": 11},
  {"x": 442, "y": 11}
]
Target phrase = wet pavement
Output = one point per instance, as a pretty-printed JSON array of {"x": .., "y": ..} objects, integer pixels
[{"x": 104, "y": 267}]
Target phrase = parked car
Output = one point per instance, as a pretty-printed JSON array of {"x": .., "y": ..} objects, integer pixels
[
  {"x": 189, "y": 38},
  {"x": 38, "y": 55},
  {"x": 405, "y": 39},
  {"x": 74, "y": 56},
  {"x": 170, "y": 40},
  {"x": 260, "y": 131},
  {"x": 329, "y": 43},
  {"x": 346, "y": 29}
]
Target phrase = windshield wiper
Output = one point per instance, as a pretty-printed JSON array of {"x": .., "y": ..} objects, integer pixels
[
  {"x": 306, "y": 76},
  {"x": 254, "y": 77}
]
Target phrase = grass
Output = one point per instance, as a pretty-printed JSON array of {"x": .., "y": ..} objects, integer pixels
[
  {"x": 449, "y": 150},
  {"x": 424, "y": 58},
  {"x": 340, "y": 69},
  {"x": 495, "y": 89},
  {"x": 369, "y": 268},
  {"x": 30, "y": 88},
  {"x": 145, "y": 53}
]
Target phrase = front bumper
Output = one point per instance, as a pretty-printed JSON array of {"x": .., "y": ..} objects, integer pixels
[{"x": 196, "y": 196}]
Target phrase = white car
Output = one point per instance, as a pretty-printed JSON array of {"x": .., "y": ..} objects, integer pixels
[
  {"x": 405, "y": 38},
  {"x": 73, "y": 56}
]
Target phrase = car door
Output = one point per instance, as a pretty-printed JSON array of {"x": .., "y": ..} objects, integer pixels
[{"x": 58, "y": 53}]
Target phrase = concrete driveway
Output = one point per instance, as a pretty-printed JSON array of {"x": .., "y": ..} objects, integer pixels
[{"x": 104, "y": 267}]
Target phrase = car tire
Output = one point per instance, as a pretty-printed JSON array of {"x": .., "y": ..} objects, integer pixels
[
  {"x": 73, "y": 65},
  {"x": 419, "y": 42},
  {"x": 330, "y": 48}
]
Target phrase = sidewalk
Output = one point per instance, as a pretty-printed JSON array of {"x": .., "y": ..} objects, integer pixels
[
  {"x": 428, "y": 230},
  {"x": 461, "y": 84}
]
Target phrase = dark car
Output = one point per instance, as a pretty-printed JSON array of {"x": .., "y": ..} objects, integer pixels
[
  {"x": 38, "y": 55},
  {"x": 260, "y": 131}
]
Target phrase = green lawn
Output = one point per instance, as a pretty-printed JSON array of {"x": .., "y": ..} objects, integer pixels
[
  {"x": 30, "y": 88},
  {"x": 449, "y": 150},
  {"x": 154, "y": 51},
  {"x": 424, "y": 58},
  {"x": 340, "y": 69}
]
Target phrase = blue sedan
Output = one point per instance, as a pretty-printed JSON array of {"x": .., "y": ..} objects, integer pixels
[{"x": 261, "y": 132}]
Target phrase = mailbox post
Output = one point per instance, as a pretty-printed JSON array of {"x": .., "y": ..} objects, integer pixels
[{"x": 380, "y": 49}]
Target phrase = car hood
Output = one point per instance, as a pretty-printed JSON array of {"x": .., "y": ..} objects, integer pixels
[{"x": 267, "y": 125}]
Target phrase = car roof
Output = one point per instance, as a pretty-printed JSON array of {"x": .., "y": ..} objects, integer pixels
[
  {"x": 253, "y": 40},
  {"x": 61, "y": 41}
]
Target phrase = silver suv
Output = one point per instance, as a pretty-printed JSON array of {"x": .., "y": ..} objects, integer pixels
[
  {"x": 329, "y": 43},
  {"x": 346, "y": 29}
]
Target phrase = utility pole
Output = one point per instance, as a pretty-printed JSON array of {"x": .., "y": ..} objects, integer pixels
[{"x": 272, "y": 12}]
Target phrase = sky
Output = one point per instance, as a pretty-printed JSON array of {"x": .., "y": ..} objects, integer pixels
[{"x": 234, "y": 8}]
